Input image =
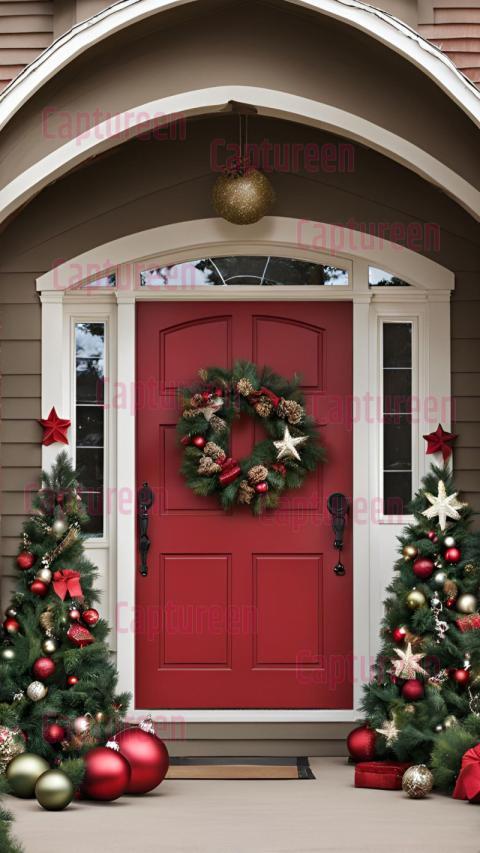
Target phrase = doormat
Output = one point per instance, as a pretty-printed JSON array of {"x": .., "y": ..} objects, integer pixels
[{"x": 240, "y": 768}]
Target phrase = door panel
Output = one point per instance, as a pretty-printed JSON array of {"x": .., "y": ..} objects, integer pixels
[{"x": 237, "y": 611}]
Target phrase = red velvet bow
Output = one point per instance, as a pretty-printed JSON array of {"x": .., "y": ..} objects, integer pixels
[
  {"x": 230, "y": 470},
  {"x": 65, "y": 581},
  {"x": 468, "y": 782},
  {"x": 265, "y": 392}
]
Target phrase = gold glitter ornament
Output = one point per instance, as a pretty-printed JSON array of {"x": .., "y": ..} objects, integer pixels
[
  {"x": 417, "y": 782},
  {"x": 243, "y": 198}
]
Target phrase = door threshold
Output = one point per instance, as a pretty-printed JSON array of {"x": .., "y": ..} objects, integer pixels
[{"x": 250, "y": 715}]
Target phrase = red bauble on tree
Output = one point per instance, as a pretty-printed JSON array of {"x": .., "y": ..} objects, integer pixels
[
  {"x": 453, "y": 555},
  {"x": 25, "y": 560},
  {"x": 80, "y": 636},
  {"x": 423, "y": 567},
  {"x": 72, "y": 680},
  {"x": 11, "y": 626},
  {"x": 147, "y": 756},
  {"x": 39, "y": 588},
  {"x": 460, "y": 676},
  {"x": 43, "y": 668},
  {"x": 90, "y": 616},
  {"x": 413, "y": 690},
  {"x": 361, "y": 744},
  {"x": 53, "y": 733},
  {"x": 399, "y": 634},
  {"x": 107, "y": 774}
]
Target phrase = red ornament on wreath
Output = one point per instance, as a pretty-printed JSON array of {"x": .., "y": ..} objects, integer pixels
[
  {"x": 413, "y": 690},
  {"x": 43, "y": 668},
  {"x": 423, "y": 568},
  {"x": 147, "y": 756},
  {"x": 39, "y": 588},
  {"x": 107, "y": 774},
  {"x": 90, "y": 617},
  {"x": 361, "y": 744},
  {"x": 25, "y": 560},
  {"x": 55, "y": 428}
]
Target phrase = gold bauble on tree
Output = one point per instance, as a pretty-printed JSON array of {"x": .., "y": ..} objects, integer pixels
[
  {"x": 24, "y": 772},
  {"x": 409, "y": 552},
  {"x": 466, "y": 603},
  {"x": 416, "y": 599},
  {"x": 242, "y": 197},
  {"x": 54, "y": 790},
  {"x": 417, "y": 782}
]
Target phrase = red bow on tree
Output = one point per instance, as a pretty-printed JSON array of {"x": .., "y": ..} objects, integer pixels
[
  {"x": 67, "y": 581},
  {"x": 439, "y": 442}
]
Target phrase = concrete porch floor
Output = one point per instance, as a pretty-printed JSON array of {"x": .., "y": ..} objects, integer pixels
[{"x": 254, "y": 817}]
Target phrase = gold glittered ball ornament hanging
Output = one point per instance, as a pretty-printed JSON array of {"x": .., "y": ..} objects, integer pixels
[
  {"x": 416, "y": 599},
  {"x": 417, "y": 782},
  {"x": 243, "y": 197}
]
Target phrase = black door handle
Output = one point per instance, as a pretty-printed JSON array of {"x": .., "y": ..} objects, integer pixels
[
  {"x": 338, "y": 506},
  {"x": 145, "y": 501}
]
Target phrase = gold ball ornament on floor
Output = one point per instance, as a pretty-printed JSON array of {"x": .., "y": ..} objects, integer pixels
[
  {"x": 36, "y": 691},
  {"x": 243, "y": 198},
  {"x": 417, "y": 782},
  {"x": 54, "y": 790},
  {"x": 416, "y": 599},
  {"x": 24, "y": 772}
]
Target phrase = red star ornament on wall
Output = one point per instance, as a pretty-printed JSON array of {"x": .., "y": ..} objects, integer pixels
[
  {"x": 55, "y": 428},
  {"x": 439, "y": 442}
]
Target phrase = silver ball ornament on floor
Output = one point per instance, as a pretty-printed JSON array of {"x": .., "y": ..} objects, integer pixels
[{"x": 417, "y": 782}]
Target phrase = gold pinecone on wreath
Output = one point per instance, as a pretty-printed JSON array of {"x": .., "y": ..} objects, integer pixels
[
  {"x": 217, "y": 424},
  {"x": 245, "y": 493},
  {"x": 46, "y": 620},
  {"x": 207, "y": 466},
  {"x": 257, "y": 474},
  {"x": 263, "y": 407},
  {"x": 213, "y": 450},
  {"x": 291, "y": 410},
  {"x": 245, "y": 387},
  {"x": 190, "y": 413},
  {"x": 196, "y": 401},
  {"x": 203, "y": 374}
]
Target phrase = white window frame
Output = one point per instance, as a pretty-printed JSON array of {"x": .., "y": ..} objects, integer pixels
[{"x": 426, "y": 303}]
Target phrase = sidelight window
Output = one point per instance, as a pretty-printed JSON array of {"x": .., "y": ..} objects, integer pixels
[
  {"x": 397, "y": 416},
  {"x": 90, "y": 419}
]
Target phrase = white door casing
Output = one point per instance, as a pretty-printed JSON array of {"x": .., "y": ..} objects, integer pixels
[{"x": 425, "y": 304}]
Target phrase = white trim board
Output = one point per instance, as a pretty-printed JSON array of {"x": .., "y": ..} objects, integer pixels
[{"x": 374, "y": 544}]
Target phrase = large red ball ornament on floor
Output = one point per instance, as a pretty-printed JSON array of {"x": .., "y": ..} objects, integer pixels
[
  {"x": 107, "y": 774},
  {"x": 361, "y": 744},
  {"x": 413, "y": 690},
  {"x": 25, "y": 560},
  {"x": 43, "y": 668},
  {"x": 147, "y": 756},
  {"x": 423, "y": 567}
]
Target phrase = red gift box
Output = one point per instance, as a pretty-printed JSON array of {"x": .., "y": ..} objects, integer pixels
[
  {"x": 468, "y": 782},
  {"x": 386, "y": 775},
  {"x": 468, "y": 623}
]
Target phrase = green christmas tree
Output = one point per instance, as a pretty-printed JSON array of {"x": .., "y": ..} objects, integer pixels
[
  {"x": 425, "y": 692},
  {"x": 7, "y": 843},
  {"x": 57, "y": 681}
]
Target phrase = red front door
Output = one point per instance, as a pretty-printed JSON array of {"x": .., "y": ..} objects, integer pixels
[{"x": 237, "y": 611}]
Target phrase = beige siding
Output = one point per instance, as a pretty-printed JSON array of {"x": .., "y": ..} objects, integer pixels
[
  {"x": 25, "y": 30},
  {"x": 466, "y": 382},
  {"x": 20, "y": 434}
]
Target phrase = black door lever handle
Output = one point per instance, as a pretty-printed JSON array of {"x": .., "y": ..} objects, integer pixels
[
  {"x": 145, "y": 501},
  {"x": 338, "y": 506}
]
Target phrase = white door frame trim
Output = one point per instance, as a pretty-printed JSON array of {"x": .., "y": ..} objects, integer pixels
[{"x": 429, "y": 305}]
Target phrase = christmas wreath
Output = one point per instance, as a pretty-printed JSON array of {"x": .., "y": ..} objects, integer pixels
[{"x": 279, "y": 462}]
